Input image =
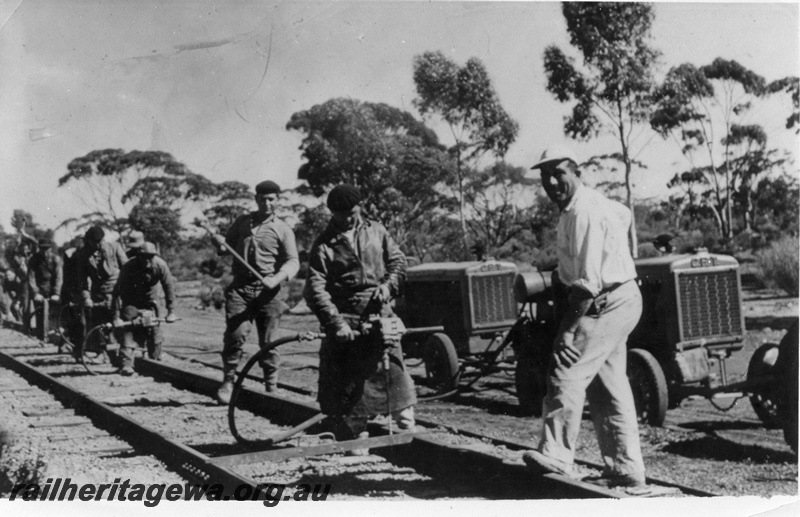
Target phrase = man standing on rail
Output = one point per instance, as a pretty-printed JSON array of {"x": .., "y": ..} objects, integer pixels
[
  {"x": 137, "y": 290},
  {"x": 98, "y": 264},
  {"x": 71, "y": 298},
  {"x": 46, "y": 278},
  {"x": 590, "y": 350},
  {"x": 268, "y": 246},
  {"x": 355, "y": 268}
]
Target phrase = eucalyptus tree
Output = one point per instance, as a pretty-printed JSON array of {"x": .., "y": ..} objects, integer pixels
[
  {"x": 612, "y": 91},
  {"x": 112, "y": 182},
  {"x": 464, "y": 98},
  {"x": 396, "y": 161},
  {"x": 701, "y": 107}
]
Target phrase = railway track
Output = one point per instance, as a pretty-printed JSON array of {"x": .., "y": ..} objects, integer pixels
[{"x": 168, "y": 411}]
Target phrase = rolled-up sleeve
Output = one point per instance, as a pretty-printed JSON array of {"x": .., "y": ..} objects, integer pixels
[{"x": 290, "y": 257}]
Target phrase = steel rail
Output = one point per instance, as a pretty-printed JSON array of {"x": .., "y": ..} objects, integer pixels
[
  {"x": 189, "y": 462},
  {"x": 429, "y": 453},
  {"x": 422, "y": 451}
]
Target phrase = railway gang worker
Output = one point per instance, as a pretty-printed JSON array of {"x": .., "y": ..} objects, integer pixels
[
  {"x": 98, "y": 264},
  {"x": 268, "y": 245},
  {"x": 20, "y": 265},
  {"x": 137, "y": 288},
  {"x": 71, "y": 298},
  {"x": 135, "y": 242},
  {"x": 589, "y": 354},
  {"x": 45, "y": 281},
  {"x": 355, "y": 268}
]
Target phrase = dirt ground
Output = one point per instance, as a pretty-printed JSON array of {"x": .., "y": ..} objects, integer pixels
[{"x": 718, "y": 446}]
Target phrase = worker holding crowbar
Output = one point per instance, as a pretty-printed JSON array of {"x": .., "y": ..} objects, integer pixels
[{"x": 266, "y": 256}]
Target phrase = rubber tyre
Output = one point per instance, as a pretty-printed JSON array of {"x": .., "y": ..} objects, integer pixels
[
  {"x": 789, "y": 370},
  {"x": 766, "y": 400},
  {"x": 649, "y": 387},
  {"x": 441, "y": 363},
  {"x": 530, "y": 374}
]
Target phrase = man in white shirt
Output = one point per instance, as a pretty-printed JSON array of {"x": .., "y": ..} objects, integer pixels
[{"x": 589, "y": 352}]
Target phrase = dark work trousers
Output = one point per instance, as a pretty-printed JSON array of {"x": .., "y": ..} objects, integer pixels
[
  {"x": 100, "y": 313},
  {"x": 245, "y": 304},
  {"x": 130, "y": 338},
  {"x": 52, "y": 309}
]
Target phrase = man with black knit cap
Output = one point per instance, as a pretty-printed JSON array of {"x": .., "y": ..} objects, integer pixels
[
  {"x": 355, "y": 268},
  {"x": 268, "y": 246}
]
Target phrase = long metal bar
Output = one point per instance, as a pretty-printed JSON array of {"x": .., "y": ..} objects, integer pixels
[
  {"x": 313, "y": 450},
  {"x": 428, "y": 453}
]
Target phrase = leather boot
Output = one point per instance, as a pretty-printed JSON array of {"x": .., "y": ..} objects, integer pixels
[{"x": 226, "y": 388}]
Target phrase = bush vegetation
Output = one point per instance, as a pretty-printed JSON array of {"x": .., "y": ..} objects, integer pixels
[{"x": 780, "y": 263}]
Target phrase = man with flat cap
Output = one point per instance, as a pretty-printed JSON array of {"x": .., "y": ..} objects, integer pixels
[
  {"x": 44, "y": 283},
  {"x": 590, "y": 348},
  {"x": 137, "y": 290},
  {"x": 355, "y": 269},
  {"x": 268, "y": 245},
  {"x": 97, "y": 265}
]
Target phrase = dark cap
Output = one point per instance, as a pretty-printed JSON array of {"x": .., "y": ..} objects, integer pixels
[
  {"x": 343, "y": 197},
  {"x": 268, "y": 187},
  {"x": 45, "y": 243},
  {"x": 95, "y": 234}
]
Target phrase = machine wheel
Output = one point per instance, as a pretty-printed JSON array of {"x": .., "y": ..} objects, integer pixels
[
  {"x": 530, "y": 374},
  {"x": 531, "y": 385},
  {"x": 441, "y": 363},
  {"x": 649, "y": 387},
  {"x": 788, "y": 354},
  {"x": 765, "y": 400}
]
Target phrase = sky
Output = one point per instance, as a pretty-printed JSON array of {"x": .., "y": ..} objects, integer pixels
[{"x": 214, "y": 83}]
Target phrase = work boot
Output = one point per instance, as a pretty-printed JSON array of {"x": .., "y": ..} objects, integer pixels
[
  {"x": 619, "y": 480},
  {"x": 270, "y": 377},
  {"x": 359, "y": 452},
  {"x": 224, "y": 392},
  {"x": 127, "y": 371},
  {"x": 539, "y": 464}
]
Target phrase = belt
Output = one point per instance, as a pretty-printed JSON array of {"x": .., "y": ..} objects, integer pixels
[{"x": 613, "y": 287}]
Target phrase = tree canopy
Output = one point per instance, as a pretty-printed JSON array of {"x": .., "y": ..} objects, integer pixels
[
  {"x": 394, "y": 159},
  {"x": 466, "y": 100},
  {"x": 612, "y": 92},
  {"x": 112, "y": 182}
]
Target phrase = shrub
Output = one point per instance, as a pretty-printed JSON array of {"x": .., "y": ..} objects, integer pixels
[
  {"x": 212, "y": 291},
  {"x": 780, "y": 264}
]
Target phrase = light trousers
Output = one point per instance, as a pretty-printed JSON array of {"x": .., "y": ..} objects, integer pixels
[{"x": 600, "y": 377}]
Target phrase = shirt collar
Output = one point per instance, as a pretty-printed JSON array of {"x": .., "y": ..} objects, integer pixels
[{"x": 575, "y": 197}]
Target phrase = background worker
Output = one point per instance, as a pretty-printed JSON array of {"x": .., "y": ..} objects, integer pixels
[
  {"x": 98, "y": 264},
  {"x": 137, "y": 288},
  {"x": 71, "y": 298},
  {"x": 134, "y": 242},
  {"x": 45, "y": 281},
  {"x": 22, "y": 306},
  {"x": 590, "y": 348},
  {"x": 355, "y": 268},
  {"x": 268, "y": 245}
]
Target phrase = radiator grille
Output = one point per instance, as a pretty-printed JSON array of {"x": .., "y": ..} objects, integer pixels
[
  {"x": 710, "y": 305},
  {"x": 493, "y": 299}
]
